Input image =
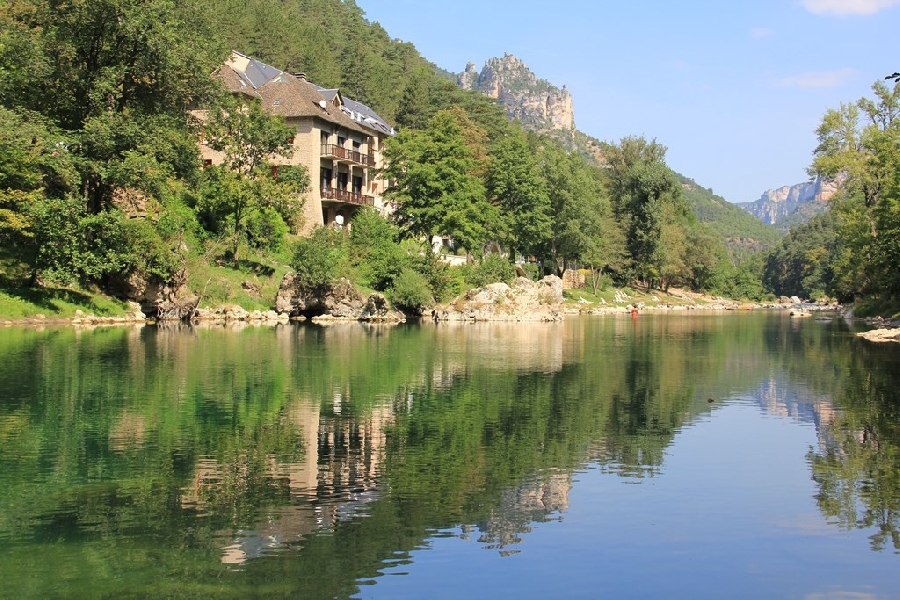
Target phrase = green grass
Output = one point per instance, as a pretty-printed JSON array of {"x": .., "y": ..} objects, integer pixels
[
  {"x": 25, "y": 303},
  {"x": 219, "y": 282}
]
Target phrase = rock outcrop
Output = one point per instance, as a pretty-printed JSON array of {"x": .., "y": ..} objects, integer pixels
[
  {"x": 537, "y": 103},
  {"x": 524, "y": 300},
  {"x": 791, "y": 204},
  {"x": 341, "y": 301}
]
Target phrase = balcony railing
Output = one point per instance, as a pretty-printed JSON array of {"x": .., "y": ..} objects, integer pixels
[
  {"x": 341, "y": 153},
  {"x": 330, "y": 193}
]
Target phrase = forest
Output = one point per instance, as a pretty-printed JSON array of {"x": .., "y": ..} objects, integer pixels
[{"x": 94, "y": 104}]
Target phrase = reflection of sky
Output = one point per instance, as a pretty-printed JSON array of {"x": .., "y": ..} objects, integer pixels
[{"x": 731, "y": 515}]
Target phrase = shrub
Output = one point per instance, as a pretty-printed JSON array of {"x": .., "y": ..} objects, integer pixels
[
  {"x": 410, "y": 291},
  {"x": 265, "y": 229},
  {"x": 532, "y": 271},
  {"x": 373, "y": 247},
  {"x": 320, "y": 259},
  {"x": 492, "y": 268}
]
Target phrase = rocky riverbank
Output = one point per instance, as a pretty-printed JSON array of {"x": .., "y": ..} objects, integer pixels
[{"x": 521, "y": 300}]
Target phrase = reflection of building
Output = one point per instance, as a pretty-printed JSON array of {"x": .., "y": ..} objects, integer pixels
[
  {"x": 338, "y": 140},
  {"x": 335, "y": 480}
]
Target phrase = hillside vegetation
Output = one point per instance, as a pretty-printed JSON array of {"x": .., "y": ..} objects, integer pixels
[{"x": 93, "y": 99}]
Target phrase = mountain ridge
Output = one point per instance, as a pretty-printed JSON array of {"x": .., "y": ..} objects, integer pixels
[{"x": 789, "y": 205}]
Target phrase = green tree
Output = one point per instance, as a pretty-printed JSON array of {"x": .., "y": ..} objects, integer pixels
[
  {"x": 861, "y": 142},
  {"x": 114, "y": 74},
  {"x": 436, "y": 185},
  {"x": 320, "y": 259},
  {"x": 247, "y": 181},
  {"x": 642, "y": 187},
  {"x": 516, "y": 187}
]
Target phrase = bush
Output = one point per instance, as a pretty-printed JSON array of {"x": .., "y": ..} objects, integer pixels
[
  {"x": 493, "y": 268},
  {"x": 532, "y": 271},
  {"x": 265, "y": 229},
  {"x": 410, "y": 291},
  {"x": 374, "y": 248},
  {"x": 320, "y": 259}
]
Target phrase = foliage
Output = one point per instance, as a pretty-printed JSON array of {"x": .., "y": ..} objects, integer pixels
[
  {"x": 801, "y": 264},
  {"x": 444, "y": 281},
  {"x": 374, "y": 246},
  {"x": 647, "y": 197},
  {"x": 320, "y": 259},
  {"x": 246, "y": 183},
  {"x": 493, "y": 268},
  {"x": 410, "y": 291},
  {"x": 853, "y": 252},
  {"x": 516, "y": 186},
  {"x": 436, "y": 183}
]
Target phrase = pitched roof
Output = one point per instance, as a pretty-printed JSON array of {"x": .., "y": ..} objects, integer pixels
[{"x": 292, "y": 96}]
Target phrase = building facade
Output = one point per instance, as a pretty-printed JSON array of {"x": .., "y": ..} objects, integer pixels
[{"x": 338, "y": 140}]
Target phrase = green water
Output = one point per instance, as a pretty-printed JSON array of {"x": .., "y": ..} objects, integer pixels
[{"x": 730, "y": 455}]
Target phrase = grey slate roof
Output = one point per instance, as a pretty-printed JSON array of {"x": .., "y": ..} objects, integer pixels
[{"x": 292, "y": 96}]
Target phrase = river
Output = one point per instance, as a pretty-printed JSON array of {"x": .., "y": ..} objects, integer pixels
[{"x": 714, "y": 455}]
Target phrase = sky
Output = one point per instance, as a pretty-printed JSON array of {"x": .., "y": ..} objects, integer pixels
[{"x": 735, "y": 89}]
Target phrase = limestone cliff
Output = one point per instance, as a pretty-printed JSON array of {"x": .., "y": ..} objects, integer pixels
[
  {"x": 537, "y": 103},
  {"x": 790, "y": 204}
]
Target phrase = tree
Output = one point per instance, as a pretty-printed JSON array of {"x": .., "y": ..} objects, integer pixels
[
  {"x": 435, "y": 183},
  {"x": 246, "y": 181},
  {"x": 642, "y": 187},
  {"x": 582, "y": 227},
  {"x": 861, "y": 141},
  {"x": 114, "y": 74},
  {"x": 516, "y": 187}
]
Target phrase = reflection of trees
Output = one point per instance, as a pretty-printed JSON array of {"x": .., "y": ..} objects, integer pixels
[
  {"x": 858, "y": 473},
  {"x": 329, "y": 451}
]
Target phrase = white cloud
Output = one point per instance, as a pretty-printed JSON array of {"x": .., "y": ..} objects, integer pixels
[
  {"x": 847, "y": 7},
  {"x": 822, "y": 79},
  {"x": 762, "y": 32}
]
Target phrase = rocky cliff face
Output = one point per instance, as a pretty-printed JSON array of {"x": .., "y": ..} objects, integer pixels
[
  {"x": 536, "y": 102},
  {"x": 790, "y": 204}
]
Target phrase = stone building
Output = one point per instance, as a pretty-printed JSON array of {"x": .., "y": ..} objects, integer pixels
[{"x": 338, "y": 140}]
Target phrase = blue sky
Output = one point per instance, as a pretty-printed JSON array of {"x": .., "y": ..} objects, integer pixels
[{"x": 734, "y": 88}]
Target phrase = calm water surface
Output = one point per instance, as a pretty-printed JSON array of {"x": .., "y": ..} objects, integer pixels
[{"x": 677, "y": 456}]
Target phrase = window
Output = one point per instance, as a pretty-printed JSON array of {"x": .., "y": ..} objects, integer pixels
[{"x": 325, "y": 174}]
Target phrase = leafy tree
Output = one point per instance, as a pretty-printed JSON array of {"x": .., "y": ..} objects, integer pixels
[
  {"x": 862, "y": 141},
  {"x": 801, "y": 264},
  {"x": 374, "y": 246},
  {"x": 492, "y": 268},
  {"x": 643, "y": 188},
  {"x": 410, "y": 291},
  {"x": 516, "y": 187},
  {"x": 112, "y": 73},
  {"x": 435, "y": 183},
  {"x": 320, "y": 259},
  {"x": 245, "y": 182}
]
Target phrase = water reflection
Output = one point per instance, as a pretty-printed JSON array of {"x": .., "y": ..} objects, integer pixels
[{"x": 240, "y": 456}]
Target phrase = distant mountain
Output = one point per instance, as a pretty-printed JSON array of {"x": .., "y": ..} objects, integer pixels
[
  {"x": 741, "y": 230},
  {"x": 793, "y": 204}
]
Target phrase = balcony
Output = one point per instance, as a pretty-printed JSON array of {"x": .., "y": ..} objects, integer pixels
[
  {"x": 341, "y": 154},
  {"x": 338, "y": 195}
]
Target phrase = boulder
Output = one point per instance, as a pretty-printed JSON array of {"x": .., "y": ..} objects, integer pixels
[
  {"x": 341, "y": 300},
  {"x": 377, "y": 308},
  {"x": 523, "y": 300}
]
